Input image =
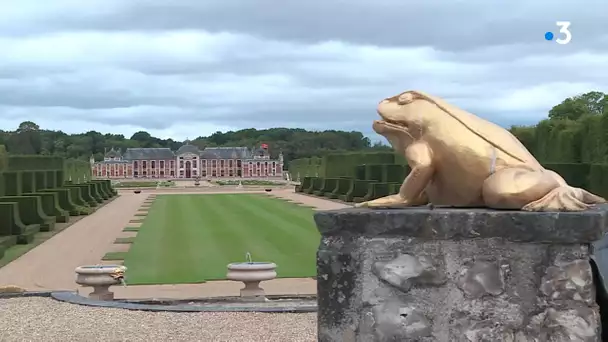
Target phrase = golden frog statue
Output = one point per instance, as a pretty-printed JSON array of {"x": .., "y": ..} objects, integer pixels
[{"x": 458, "y": 159}]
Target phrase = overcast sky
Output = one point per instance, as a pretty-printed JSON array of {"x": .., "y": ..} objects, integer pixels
[{"x": 185, "y": 68}]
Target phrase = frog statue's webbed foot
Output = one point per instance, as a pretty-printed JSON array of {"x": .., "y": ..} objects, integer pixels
[
  {"x": 564, "y": 198},
  {"x": 393, "y": 201},
  {"x": 519, "y": 188}
]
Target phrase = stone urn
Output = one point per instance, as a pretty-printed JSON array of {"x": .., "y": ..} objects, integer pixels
[
  {"x": 100, "y": 278},
  {"x": 252, "y": 273}
]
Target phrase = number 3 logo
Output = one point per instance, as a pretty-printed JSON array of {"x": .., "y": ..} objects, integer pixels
[{"x": 564, "y": 29}]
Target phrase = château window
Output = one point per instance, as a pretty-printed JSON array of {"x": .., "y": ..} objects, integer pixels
[
  {"x": 230, "y": 163},
  {"x": 194, "y": 164},
  {"x": 238, "y": 163},
  {"x": 153, "y": 163},
  {"x": 181, "y": 164},
  {"x": 144, "y": 164},
  {"x": 172, "y": 164},
  {"x": 230, "y": 173},
  {"x": 135, "y": 164},
  {"x": 222, "y": 173},
  {"x": 222, "y": 163},
  {"x": 162, "y": 164}
]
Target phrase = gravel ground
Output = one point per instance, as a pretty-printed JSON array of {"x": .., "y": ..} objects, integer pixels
[{"x": 42, "y": 319}]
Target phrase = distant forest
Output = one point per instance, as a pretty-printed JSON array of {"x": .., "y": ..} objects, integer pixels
[
  {"x": 576, "y": 131},
  {"x": 29, "y": 138}
]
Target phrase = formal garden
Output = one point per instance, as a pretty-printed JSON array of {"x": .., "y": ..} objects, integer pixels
[
  {"x": 38, "y": 194},
  {"x": 191, "y": 238}
]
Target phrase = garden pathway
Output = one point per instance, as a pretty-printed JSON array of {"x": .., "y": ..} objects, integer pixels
[{"x": 51, "y": 265}]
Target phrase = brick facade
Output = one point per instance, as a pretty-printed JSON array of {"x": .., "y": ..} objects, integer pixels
[{"x": 188, "y": 162}]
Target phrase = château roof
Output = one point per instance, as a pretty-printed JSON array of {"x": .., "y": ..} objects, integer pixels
[
  {"x": 225, "y": 153},
  {"x": 187, "y": 148},
  {"x": 151, "y": 153},
  {"x": 112, "y": 153},
  {"x": 163, "y": 153}
]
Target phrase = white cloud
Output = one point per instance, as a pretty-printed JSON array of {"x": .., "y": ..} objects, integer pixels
[{"x": 75, "y": 68}]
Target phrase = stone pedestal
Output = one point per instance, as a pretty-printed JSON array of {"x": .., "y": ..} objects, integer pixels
[
  {"x": 101, "y": 293},
  {"x": 251, "y": 274},
  {"x": 100, "y": 278},
  {"x": 452, "y": 275}
]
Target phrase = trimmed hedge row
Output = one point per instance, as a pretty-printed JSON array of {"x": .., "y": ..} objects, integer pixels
[
  {"x": 340, "y": 164},
  {"x": 304, "y": 167},
  {"x": 34, "y": 201},
  {"x": 371, "y": 181}
]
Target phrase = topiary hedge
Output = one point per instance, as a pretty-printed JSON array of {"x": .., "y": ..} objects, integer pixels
[
  {"x": 77, "y": 171},
  {"x": 65, "y": 200},
  {"x": 11, "y": 226},
  {"x": 34, "y": 162},
  {"x": 12, "y": 181},
  {"x": 84, "y": 194},
  {"x": 32, "y": 217},
  {"x": 3, "y": 159},
  {"x": 344, "y": 164},
  {"x": 304, "y": 167}
]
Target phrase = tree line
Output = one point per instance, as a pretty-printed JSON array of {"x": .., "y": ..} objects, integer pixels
[
  {"x": 576, "y": 131},
  {"x": 29, "y": 138}
]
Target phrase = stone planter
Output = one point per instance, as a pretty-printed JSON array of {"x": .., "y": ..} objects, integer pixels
[
  {"x": 268, "y": 190},
  {"x": 100, "y": 277},
  {"x": 137, "y": 191},
  {"x": 252, "y": 273}
]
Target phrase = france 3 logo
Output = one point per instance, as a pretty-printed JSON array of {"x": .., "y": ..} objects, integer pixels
[{"x": 564, "y": 32}]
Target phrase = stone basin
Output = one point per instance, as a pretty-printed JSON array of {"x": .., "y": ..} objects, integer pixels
[
  {"x": 100, "y": 278},
  {"x": 251, "y": 274}
]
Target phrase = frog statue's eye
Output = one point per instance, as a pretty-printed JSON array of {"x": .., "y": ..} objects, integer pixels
[{"x": 405, "y": 98}]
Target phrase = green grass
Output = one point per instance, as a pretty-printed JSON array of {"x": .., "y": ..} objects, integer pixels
[
  {"x": 124, "y": 240},
  {"x": 131, "y": 229},
  {"x": 191, "y": 238}
]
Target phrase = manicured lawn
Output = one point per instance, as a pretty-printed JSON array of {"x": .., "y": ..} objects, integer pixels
[{"x": 191, "y": 238}]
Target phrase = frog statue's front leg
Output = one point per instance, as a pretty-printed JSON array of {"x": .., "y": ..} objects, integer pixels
[{"x": 420, "y": 159}]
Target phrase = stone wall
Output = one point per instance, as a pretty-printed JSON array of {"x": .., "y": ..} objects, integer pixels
[{"x": 457, "y": 275}]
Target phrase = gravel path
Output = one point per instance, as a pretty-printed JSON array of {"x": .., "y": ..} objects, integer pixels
[
  {"x": 51, "y": 265},
  {"x": 43, "y": 319}
]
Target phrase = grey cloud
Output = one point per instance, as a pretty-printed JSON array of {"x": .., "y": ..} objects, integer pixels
[
  {"x": 313, "y": 65},
  {"x": 445, "y": 25}
]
